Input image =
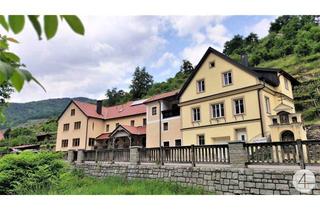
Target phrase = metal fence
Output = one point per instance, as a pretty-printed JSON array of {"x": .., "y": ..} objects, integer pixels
[
  {"x": 284, "y": 153},
  {"x": 269, "y": 153},
  {"x": 186, "y": 154}
]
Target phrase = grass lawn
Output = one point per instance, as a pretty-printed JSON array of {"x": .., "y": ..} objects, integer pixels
[{"x": 117, "y": 186}]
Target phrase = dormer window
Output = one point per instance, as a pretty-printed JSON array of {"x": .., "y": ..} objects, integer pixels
[
  {"x": 294, "y": 120},
  {"x": 227, "y": 78},
  {"x": 200, "y": 86}
]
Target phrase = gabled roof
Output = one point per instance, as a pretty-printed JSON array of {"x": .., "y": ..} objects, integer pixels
[
  {"x": 103, "y": 136},
  {"x": 112, "y": 112},
  {"x": 139, "y": 130},
  {"x": 263, "y": 74},
  {"x": 162, "y": 96}
]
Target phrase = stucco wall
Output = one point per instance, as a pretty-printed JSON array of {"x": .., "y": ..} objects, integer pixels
[{"x": 220, "y": 180}]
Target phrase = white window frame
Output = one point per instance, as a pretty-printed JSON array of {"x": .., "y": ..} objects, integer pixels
[
  {"x": 201, "y": 86},
  {"x": 217, "y": 114},
  {"x": 235, "y": 106},
  {"x": 196, "y": 114},
  {"x": 226, "y": 78}
]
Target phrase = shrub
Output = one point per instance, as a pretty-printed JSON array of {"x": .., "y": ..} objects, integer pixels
[{"x": 28, "y": 171}]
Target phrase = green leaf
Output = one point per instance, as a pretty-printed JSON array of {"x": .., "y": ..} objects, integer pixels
[
  {"x": 6, "y": 71},
  {"x": 11, "y": 56},
  {"x": 16, "y": 23},
  {"x": 75, "y": 23},
  {"x": 50, "y": 25},
  {"x": 4, "y": 23},
  {"x": 17, "y": 79},
  {"x": 36, "y": 24},
  {"x": 29, "y": 77},
  {"x": 3, "y": 45}
]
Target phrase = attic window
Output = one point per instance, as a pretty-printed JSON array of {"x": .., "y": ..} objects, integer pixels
[
  {"x": 212, "y": 64},
  {"x": 73, "y": 111}
]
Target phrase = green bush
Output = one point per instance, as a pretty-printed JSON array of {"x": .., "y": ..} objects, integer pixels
[{"x": 30, "y": 172}]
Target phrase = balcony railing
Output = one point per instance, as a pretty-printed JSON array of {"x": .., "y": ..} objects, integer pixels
[{"x": 170, "y": 113}]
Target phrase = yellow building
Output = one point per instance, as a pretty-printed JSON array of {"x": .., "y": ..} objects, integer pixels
[
  {"x": 221, "y": 101},
  {"x": 84, "y": 126},
  {"x": 224, "y": 100}
]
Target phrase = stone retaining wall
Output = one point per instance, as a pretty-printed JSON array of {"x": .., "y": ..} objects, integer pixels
[{"x": 221, "y": 180}]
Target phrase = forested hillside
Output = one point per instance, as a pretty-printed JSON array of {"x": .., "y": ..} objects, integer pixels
[{"x": 25, "y": 113}]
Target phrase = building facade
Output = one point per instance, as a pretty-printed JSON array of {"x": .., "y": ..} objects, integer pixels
[{"x": 222, "y": 100}]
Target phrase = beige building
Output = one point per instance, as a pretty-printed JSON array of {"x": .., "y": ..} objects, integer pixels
[
  {"x": 163, "y": 120},
  {"x": 224, "y": 100},
  {"x": 84, "y": 126},
  {"x": 221, "y": 101}
]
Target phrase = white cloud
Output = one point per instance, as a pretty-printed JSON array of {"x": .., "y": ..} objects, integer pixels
[
  {"x": 261, "y": 28},
  {"x": 186, "y": 25},
  {"x": 166, "y": 59},
  {"x": 70, "y": 65},
  {"x": 194, "y": 53},
  {"x": 218, "y": 34}
]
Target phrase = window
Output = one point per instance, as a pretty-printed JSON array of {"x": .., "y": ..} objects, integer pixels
[
  {"x": 217, "y": 110},
  {"x": 132, "y": 122},
  {"x": 107, "y": 127},
  {"x": 117, "y": 124},
  {"x": 201, "y": 140},
  {"x": 91, "y": 142},
  {"x": 238, "y": 106},
  {"x": 196, "y": 114},
  {"x": 64, "y": 143},
  {"x": 73, "y": 112},
  {"x": 93, "y": 126},
  {"x": 227, "y": 78},
  {"x": 154, "y": 110},
  {"x": 200, "y": 86},
  {"x": 77, "y": 125},
  {"x": 165, "y": 126},
  {"x": 268, "y": 109},
  {"x": 178, "y": 142},
  {"x": 75, "y": 142},
  {"x": 144, "y": 121},
  {"x": 66, "y": 127},
  {"x": 275, "y": 121},
  {"x": 166, "y": 144},
  {"x": 294, "y": 120},
  {"x": 286, "y": 83},
  {"x": 212, "y": 64}
]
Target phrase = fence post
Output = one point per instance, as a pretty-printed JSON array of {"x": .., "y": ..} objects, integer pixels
[
  {"x": 193, "y": 157},
  {"x": 135, "y": 155},
  {"x": 81, "y": 156},
  {"x": 161, "y": 155},
  {"x": 112, "y": 156},
  {"x": 238, "y": 154},
  {"x": 96, "y": 156},
  {"x": 300, "y": 152},
  {"x": 70, "y": 157}
]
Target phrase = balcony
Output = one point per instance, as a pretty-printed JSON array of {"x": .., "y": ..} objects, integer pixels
[{"x": 170, "y": 113}]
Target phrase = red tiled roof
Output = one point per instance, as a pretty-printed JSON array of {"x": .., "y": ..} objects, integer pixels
[
  {"x": 162, "y": 96},
  {"x": 112, "y": 112},
  {"x": 103, "y": 136},
  {"x": 139, "y": 130}
]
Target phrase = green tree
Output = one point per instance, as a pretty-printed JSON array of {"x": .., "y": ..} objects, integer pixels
[
  {"x": 234, "y": 46},
  {"x": 140, "y": 83},
  {"x": 115, "y": 96},
  {"x": 186, "y": 67},
  {"x": 5, "y": 92}
]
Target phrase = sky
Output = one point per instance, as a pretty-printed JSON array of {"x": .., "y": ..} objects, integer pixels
[{"x": 70, "y": 65}]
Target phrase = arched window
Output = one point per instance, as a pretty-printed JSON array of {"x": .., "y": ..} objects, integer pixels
[{"x": 284, "y": 117}]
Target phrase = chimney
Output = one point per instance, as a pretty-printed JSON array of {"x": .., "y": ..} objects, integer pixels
[
  {"x": 244, "y": 60},
  {"x": 99, "y": 106}
]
